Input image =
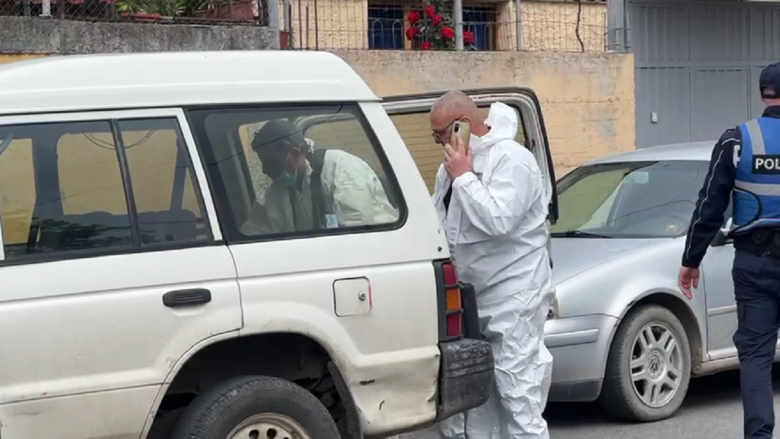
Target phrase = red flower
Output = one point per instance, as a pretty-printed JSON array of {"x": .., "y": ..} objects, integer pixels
[
  {"x": 413, "y": 17},
  {"x": 411, "y": 33},
  {"x": 468, "y": 38},
  {"x": 447, "y": 33},
  {"x": 430, "y": 11},
  {"x": 425, "y": 45},
  {"x": 436, "y": 19}
]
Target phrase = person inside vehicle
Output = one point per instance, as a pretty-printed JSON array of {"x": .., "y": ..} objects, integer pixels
[
  {"x": 489, "y": 196},
  {"x": 314, "y": 189}
]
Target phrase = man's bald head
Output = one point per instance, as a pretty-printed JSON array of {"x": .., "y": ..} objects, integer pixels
[
  {"x": 454, "y": 102},
  {"x": 451, "y": 106}
]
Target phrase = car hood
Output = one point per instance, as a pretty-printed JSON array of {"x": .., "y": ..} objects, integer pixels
[{"x": 572, "y": 256}]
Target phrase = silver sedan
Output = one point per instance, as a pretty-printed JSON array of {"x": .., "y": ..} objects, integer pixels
[{"x": 621, "y": 331}]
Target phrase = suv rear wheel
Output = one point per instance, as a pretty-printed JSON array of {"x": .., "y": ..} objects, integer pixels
[
  {"x": 256, "y": 407},
  {"x": 649, "y": 366}
]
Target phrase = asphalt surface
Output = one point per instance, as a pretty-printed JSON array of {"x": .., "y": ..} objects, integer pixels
[{"x": 711, "y": 410}]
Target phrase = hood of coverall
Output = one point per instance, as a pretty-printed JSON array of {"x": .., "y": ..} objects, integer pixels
[{"x": 502, "y": 120}]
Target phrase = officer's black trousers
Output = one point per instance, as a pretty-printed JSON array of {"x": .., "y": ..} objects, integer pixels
[{"x": 757, "y": 291}]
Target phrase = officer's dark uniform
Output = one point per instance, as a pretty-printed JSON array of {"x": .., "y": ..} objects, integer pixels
[{"x": 745, "y": 168}]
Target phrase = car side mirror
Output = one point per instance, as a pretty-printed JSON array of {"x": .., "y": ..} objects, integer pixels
[{"x": 722, "y": 237}]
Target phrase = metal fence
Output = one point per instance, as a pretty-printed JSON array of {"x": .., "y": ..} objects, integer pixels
[
  {"x": 363, "y": 24},
  {"x": 430, "y": 25},
  {"x": 232, "y": 12}
]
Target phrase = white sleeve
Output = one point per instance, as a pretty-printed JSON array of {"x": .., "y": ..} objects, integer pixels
[
  {"x": 358, "y": 195},
  {"x": 440, "y": 188},
  {"x": 496, "y": 208}
]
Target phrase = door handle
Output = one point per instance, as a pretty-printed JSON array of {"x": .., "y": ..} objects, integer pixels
[{"x": 189, "y": 297}]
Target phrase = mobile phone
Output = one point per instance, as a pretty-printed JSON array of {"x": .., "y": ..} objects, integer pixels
[{"x": 462, "y": 130}]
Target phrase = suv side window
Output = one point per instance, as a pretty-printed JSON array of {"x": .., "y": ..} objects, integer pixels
[
  {"x": 17, "y": 190},
  {"x": 290, "y": 171},
  {"x": 164, "y": 185},
  {"x": 65, "y": 188}
]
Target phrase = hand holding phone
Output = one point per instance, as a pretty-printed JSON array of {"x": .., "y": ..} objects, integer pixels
[
  {"x": 457, "y": 153},
  {"x": 461, "y": 130}
]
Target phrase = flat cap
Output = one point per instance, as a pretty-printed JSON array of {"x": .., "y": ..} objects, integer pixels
[
  {"x": 278, "y": 134},
  {"x": 769, "y": 82}
]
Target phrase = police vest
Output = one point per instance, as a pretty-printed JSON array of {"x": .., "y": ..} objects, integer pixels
[{"x": 757, "y": 187}]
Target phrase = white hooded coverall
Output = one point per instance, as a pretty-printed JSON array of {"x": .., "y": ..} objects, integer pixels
[{"x": 496, "y": 230}]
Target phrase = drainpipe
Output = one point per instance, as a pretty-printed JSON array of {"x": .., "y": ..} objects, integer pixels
[
  {"x": 457, "y": 12},
  {"x": 273, "y": 18},
  {"x": 617, "y": 33},
  {"x": 46, "y": 8}
]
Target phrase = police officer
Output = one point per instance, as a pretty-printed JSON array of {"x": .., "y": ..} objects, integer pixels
[{"x": 745, "y": 168}]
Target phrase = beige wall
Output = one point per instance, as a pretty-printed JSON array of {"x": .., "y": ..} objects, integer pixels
[
  {"x": 587, "y": 99},
  {"x": 547, "y": 26},
  {"x": 339, "y": 24},
  {"x": 551, "y": 26}
]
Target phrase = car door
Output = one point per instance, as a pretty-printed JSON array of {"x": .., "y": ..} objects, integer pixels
[
  {"x": 411, "y": 113},
  {"x": 112, "y": 268},
  {"x": 721, "y": 306}
]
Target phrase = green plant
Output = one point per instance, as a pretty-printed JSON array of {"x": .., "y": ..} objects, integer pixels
[{"x": 166, "y": 8}]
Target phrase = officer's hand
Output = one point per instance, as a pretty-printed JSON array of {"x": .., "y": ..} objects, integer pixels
[{"x": 688, "y": 277}]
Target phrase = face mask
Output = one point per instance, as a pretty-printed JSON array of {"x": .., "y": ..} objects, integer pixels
[{"x": 286, "y": 180}]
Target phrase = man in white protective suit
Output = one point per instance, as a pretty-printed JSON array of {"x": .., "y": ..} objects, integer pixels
[{"x": 491, "y": 201}]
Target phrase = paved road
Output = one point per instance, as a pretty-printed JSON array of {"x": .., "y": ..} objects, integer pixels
[{"x": 712, "y": 410}]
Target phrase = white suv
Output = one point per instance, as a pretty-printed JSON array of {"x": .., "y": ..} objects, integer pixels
[{"x": 135, "y": 304}]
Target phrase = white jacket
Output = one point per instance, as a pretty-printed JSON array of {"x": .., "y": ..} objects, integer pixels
[{"x": 496, "y": 226}]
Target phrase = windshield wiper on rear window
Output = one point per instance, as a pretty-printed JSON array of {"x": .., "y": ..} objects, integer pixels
[{"x": 577, "y": 234}]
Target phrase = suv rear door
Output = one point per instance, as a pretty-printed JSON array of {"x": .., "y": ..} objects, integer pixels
[
  {"x": 410, "y": 114},
  {"x": 112, "y": 268}
]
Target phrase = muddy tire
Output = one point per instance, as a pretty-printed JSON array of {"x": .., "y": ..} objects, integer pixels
[{"x": 251, "y": 407}]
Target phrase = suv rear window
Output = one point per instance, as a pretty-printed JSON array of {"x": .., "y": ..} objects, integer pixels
[
  {"x": 291, "y": 171},
  {"x": 94, "y": 186}
]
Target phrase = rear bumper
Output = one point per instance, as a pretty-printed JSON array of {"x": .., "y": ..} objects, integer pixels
[{"x": 466, "y": 376}]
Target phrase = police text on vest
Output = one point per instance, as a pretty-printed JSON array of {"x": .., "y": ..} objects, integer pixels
[{"x": 766, "y": 164}]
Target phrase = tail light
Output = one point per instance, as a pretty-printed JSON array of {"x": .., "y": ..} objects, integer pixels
[{"x": 452, "y": 301}]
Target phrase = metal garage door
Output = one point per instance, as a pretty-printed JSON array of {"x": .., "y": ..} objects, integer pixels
[{"x": 697, "y": 66}]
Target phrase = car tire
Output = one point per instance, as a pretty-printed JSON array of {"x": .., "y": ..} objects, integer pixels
[
  {"x": 250, "y": 407},
  {"x": 643, "y": 360}
]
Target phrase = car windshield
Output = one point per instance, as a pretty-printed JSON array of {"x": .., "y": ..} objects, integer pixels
[{"x": 650, "y": 199}]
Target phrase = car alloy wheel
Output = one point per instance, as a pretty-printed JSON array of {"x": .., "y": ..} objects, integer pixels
[
  {"x": 656, "y": 365},
  {"x": 648, "y": 367},
  {"x": 268, "y": 426}
]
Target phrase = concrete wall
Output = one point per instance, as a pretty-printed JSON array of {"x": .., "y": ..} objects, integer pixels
[
  {"x": 587, "y": 99},
  {"x": 36, "y": 35}
]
